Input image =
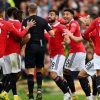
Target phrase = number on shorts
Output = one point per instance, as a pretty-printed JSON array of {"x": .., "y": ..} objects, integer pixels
[
  {"x": 89, "y": 65},
  {"x": 52, "y": 65},
  {"x": 67, "y": 63}
]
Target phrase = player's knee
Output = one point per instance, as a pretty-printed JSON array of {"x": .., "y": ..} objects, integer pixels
[
  {"x": 82, "y": 74},
  {"x": 30, "y": 71},
  {"x": 38, "y": 69},
  {"x": 66, "y": 71},
  {"x": 53, "y": 75}
]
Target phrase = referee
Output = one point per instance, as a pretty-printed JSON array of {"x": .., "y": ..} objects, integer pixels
[{"x": 35, "y": 50}]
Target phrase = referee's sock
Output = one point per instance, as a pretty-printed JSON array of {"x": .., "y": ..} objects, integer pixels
[
  {"x": 85, "y": 85},
  {"x": 61, "y": 84},
  {"x": 98, "y": 84},
  {"x": 39, "y": 80},
  {"x": 30, "y": 79},
  {"x": 70, "y": 81}
]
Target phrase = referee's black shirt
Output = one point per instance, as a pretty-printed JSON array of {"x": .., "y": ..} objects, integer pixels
[{"x": 37, "y": 32}]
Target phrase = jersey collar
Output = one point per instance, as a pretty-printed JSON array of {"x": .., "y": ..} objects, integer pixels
[
  {"x": 13, "y": 19},
  {"x": 70, "y": 21},
  {"x": 56, "y": 24}
]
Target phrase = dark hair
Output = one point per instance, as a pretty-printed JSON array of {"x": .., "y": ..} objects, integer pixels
[
  {"x": 2, "y": 10},
  {"x": 55, "y": 11},
  {"x": 69, "y": 10},
  {"x": 17, "y": 15},
  {"x": 10, "y": 11}
]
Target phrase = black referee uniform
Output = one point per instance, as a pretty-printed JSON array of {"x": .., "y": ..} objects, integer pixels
[{"x": 35, "y": 48}]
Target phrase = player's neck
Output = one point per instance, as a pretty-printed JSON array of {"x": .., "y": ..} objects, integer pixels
[{"x": 55, "y": 23}]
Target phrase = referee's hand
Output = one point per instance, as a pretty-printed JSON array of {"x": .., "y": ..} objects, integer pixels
[{"x": 31, "y": 24}]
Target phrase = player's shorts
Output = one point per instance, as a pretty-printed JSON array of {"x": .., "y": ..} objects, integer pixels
[
  {"x": 12, "y": 63},
  {"x": 96, "y": 61},
  {"x": 57, "y": 64},
  {"x": 75, "y": 61},
  {"x": 89, "y": 68},
  {"x": 34, "y": 56}
]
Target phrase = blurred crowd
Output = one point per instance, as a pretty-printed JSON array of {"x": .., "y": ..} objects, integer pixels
[{"x": 81, "y": 7}]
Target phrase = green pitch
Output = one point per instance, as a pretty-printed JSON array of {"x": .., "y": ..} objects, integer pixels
[
  {"x": 50, "y": 91},
  {"x": 46, "y": 96}
]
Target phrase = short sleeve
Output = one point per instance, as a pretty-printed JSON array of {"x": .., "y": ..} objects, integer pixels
[{"x": 47, "y": 26}]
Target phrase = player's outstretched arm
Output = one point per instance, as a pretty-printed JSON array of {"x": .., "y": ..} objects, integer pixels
[{"x": 13, "y": 30}]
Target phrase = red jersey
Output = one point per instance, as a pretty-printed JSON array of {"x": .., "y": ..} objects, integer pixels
[
  {"x": 55, "y": 44},
  {"x": 95, "y": 25},
  {"x": 96, "y": 41},
  {"x": 5, "y": 28},
  {"x": 95, "y": 34},
  {"x": 13, "y": 42},
  {"x": 75, "y": 30}
]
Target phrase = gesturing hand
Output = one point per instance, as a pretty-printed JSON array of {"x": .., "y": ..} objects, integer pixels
[{"x": 31, "y": 23}]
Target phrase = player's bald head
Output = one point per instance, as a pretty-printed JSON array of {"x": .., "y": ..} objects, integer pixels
[{"x": 32, "y": 8}]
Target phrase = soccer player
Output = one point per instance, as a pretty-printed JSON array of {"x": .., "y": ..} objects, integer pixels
[
  {"x": 35, "y": 50},
  {"x": 57, "y": 53},
  {"x": 91, "y": 33},
  {"x": 7, "y": 28},
  {"x": 77, "y": 55},
  {"x": 12, "y": 52}
]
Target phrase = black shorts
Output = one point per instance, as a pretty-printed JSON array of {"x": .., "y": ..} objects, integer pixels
[{"x": 34, "y": 56}]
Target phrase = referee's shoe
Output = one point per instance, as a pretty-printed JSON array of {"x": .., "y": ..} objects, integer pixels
[{"x": 39, "y": 94}]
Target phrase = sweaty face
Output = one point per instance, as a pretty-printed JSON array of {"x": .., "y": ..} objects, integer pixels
[
  {"x": 67, "y": 16},
  {"x": 52, "y": 17}
]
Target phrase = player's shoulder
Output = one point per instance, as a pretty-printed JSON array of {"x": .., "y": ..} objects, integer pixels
[
  {"x": 97, "y": 19},
  {"x": 61, "y": 26},
  {"x": 8, "y": 23},
  {"x": 17, "y": 22},
  {"x": 74, "y": 23}
]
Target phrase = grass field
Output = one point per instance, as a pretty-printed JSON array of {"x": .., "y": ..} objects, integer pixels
[{"x": 50, "y": 91}]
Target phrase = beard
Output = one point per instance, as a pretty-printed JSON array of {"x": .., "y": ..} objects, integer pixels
[{"x": 51, "y": 20}]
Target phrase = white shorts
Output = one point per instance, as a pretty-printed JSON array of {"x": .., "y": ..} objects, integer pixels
[
  {"x": 12, "y": 63},
  {"x": 1, "y": 62},
  {"x": 75, "y": 61},
  {"x": 89, "y": 68},
  {"x": 57, "y": 64},
  {"x": 96, "y": 61}
]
